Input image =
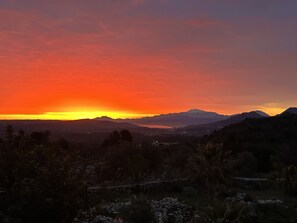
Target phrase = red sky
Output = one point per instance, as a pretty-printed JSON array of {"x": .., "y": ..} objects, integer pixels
[{"x": 77, "y": 59}]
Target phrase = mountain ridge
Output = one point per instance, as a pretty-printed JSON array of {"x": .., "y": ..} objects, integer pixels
[
  {"x": 233, "y": 119},
  {"x": 174, "y": 120},
  {"x": 290, "y": 110}
]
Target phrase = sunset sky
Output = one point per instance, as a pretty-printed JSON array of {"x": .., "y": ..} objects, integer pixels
[{"x": 69, "y": 59}]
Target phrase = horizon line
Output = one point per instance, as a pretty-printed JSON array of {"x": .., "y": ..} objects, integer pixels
[{"x": 90, "y": 115}]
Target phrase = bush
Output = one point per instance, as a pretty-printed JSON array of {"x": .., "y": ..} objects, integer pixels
[
  {"x": 39, "y": 181},
  {"x": 140, "y": 211},
  {"x": 290, "y": 180},
  {"x": 210, "y": 167},
  {"x": 228, "y": 211},
  {"x": 245, "y": 164},
  {"x": 275, "y": 213},
  {"x": 189, "y": 192}
]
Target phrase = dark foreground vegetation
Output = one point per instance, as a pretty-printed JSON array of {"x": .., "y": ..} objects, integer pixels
[{"x": 245, "y": 172}]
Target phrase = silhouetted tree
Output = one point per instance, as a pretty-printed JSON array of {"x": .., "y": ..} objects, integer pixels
[
  {"x": 290, "y": 179},
  {"x": 9, "y": 132},
  {"x": 126, "y": 135},
  {"x": 139, "y": 211},
  {"x": 124, "y": 161},
  {"x": 63, "y": 143},
  {"x": 136, "y": 166},
  {"x": 115, "y": 137},
  {"x": 40, "y": 138},
  {"x": 39, "y": 182},
  {"x": 245, "y": 164},
  {"x": 210, "y": 166}
]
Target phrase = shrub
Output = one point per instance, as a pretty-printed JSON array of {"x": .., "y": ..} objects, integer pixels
[
  {"x": 228, "y": 211},
  {"x": 210, "y": 166},
  {"x": 189, "y": 192},
  {"x": 39, "y": 181},
  {"x": 140, "y": 211}
]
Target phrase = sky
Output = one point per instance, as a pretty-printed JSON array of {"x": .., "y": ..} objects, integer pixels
[{"x": 69, "y": 59}]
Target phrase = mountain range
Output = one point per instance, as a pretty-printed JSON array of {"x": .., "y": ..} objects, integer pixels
[
  {"x": 77, "y": 126},
  {"x": 191, "y": 118},
  {"x": 173, "y": 120},
  {"x": 290, "y": 111},
  {"x": 193, "y": 122},
  {"x": 210, "y": 127},
  {"x": 261, "y": 138},
  {"x": 205, "y": 129}
]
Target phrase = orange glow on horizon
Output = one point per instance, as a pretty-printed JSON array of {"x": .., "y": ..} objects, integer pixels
[
  {"x": 273, "y": 109},
  {"x": 76, "y": 114},
  {"x": 124, "y": 59},
  {"x": 72, "y": 115}
]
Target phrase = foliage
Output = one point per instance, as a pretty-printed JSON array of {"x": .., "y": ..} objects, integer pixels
[
  {"x": 263, "y": 138},
  {"x": 123, "y": 161},
  {"x": 210, "y": 166},
  {"x": 290, "y": 179},
  {"x": 245, "y": 164},
  {"x": 140, "y": 211},
  {"x": 275, "y": 213},
  {"x": 40, "y": 181},
  {"x": 189, "y": 192},
  {"x": 117, "y": 137},
  {"x": 126, "y": 135},
  {"x": 228, "y": 211}
]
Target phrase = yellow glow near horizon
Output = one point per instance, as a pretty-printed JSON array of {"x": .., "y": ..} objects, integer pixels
[
  {"x": 75, "y": 115},
  {"x": 272, "y": 109}
]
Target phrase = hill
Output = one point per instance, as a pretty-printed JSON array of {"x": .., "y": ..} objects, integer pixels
[
  {"x": 270, "y": 140},
  {"x": 205, "y": 129},
  {"x": 290, "y": 111},
  {"x": 78, "y": 126},
  {"x": 173, "y": 120}
]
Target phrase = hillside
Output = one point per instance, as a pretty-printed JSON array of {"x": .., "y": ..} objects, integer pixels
[
  {"x": 267, "y": 139},
  {"x": 205, "y": 129},
  {"x": 78, "y": 126},
  {"x": 181, "y": 119},
  {"x": 290, "y": 111}
]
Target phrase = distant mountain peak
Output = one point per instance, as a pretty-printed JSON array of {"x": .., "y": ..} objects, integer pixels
[
  {"x": 240, "y": 117},
  {"x": 251, "y": 114},
  {"x": 207, "y": 128},
  {"x": 262, "y": 113},
  {"x": 177, "y": 119},
  {"x": 291, "y": 110},
  {"x": 104, "y": 118},
  {"x": 194, "y": 111}
]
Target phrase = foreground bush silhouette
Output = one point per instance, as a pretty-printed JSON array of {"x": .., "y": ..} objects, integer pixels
[
  {"x": 231, "y": 211},
  {"x": 140, "y": 211},
  {"x": 124, "y": 161},
  {"x": 39, "y": 181},
  {"x": 290, "y": 179},
  {"x": 210, "y": 166}
]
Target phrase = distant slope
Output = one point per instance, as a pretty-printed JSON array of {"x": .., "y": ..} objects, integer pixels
[
  {"x": 209, "y": 128},
  {"x": 78, "y": 126},
  {"x": 271, "y": 127},
  {"x": 266, "y": 138},
  {"x": 193, "y": 116},
  {"x": 290, "y": 111},
  {"x": 262, "y": 113}
]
